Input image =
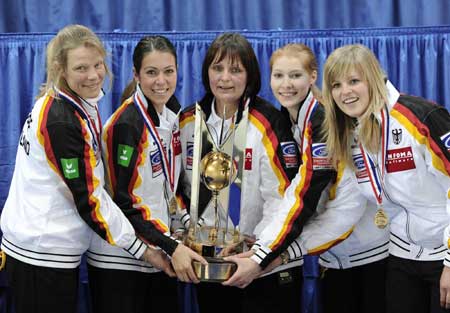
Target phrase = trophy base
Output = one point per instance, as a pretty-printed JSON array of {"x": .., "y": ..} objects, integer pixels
[{"x": 216, "y": 271}]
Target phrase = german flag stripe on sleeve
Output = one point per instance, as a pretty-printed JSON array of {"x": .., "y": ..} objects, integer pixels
[
  {"x": 321, "y": 249},
  {"x": 305, "y": 172},
  {"x": 421, "y": 133},
  {"x": 186, "y": 118},
  {"x": 108, "y": 138},
  {"x": 43, "y": 137},
  {"x": 270, "y": 142}
]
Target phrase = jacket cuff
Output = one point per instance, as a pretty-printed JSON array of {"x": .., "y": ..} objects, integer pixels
[
  {"x": 260, "y": 255},
  {"x": 296, "y": 250},
  {"x": 447, "y": 258},
  {"x": 137, "y": 248}
]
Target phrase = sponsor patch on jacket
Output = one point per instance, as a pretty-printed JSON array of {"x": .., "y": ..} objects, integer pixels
[
  {"x": 320, "y": 157},
  {"x": 248, "y": 159},
  {"x": 446, "y": 141},
  {"x": 189, "y": 155},
  {"x": 362, "y": 175},
  {"x": 156, "y": 162},
  {"x": 70, "y": 168},
  {"x": 124, "y": 154},
  {"x": 289, "y": 154},
  {"x": 398, "y": 160},
  {"x": 176, "y": 142}
]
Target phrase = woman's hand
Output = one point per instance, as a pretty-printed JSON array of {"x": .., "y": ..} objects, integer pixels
[
  {"x": 445, "y": 288},
  {"x": 182, "y": 263},
  {"x": 247, "y": 270},
  {"x": 159, "y": 260}
]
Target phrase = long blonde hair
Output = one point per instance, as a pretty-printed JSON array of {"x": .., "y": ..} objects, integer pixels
[
  {"x": 303, "y": 52},
  {"x": 338, "y": 126},
  {"x": 68, "y": 38}
]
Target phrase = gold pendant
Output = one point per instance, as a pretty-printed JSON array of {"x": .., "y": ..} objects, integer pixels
[
  {"x": 381, "y": 219},
  {"x": 173, "y": 206}
]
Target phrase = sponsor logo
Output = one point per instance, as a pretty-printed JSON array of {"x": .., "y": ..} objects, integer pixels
[
  {"x": 289, "y": 154},
  {"x": 397, "y": 135},
  {"x": 189, "y": 155},
  {"x": 70, "y": 168},
  {"x": 400, "y": 160},
  {"x": 155, "y": 161},
  {"x": 320, "y": 157},
  {"x": 361, "y": 173},
  {"x": 446, "y": 141},
  {"x": 176, "y": 143},
  {"x": 319, "y": 150},
  {"x": 124, "y": 154},
  {"x": 248, "y": 159}
]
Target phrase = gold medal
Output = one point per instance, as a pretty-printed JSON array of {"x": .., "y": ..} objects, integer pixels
[
  {"x": 173, "y": 206},
  {"x": 381, "y": 219}
]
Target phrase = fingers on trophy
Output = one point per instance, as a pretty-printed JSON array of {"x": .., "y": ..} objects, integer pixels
[{"x": 217, "y": 170}]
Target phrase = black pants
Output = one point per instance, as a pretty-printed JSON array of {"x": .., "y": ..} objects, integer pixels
[
  {"x": 117, "y": 291},
  {"x": 358, "y": 289},
  {"x": 37, "y": 289},
  {"x": 279, "y": 292},
  {"x": 413, "y": 286}
]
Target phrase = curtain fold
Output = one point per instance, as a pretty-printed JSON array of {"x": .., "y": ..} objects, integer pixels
[
  {"x": 181, "y": 15},
  {"x": 416, "y": 60}
]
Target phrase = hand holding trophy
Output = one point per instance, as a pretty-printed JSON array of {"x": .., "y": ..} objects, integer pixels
[{"x": 220, "y": 171}]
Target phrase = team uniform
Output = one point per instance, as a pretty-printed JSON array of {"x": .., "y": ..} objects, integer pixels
[
  {"x": 138, "y": 184},
  {"x": 55, "y": 200},
  {"x": 339, "y": 207},
  {"x": 271, "y": 160},
  {"x": 415, "y": 189}
]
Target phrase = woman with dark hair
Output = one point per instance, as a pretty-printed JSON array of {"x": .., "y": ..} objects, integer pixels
[
  {"x": 231, "y": 78},
  {"x": 142, "y": 152}
]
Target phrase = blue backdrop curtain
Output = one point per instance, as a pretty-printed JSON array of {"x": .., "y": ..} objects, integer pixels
[
  {"x": 182, "y": 15},
  {"x": 416, "y": 60}
]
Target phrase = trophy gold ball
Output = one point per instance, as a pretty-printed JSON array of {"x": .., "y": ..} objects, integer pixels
[{"x": 216, "y": 169}]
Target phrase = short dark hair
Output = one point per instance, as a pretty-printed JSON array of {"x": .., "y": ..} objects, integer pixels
[{"x": 236, "y": 47}]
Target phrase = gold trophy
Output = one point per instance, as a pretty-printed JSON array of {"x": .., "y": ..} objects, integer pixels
[{"x": 217, "y": 169}]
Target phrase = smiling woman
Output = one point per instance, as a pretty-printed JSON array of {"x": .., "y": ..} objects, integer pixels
[
  {"x": 85, "y": 71},
  {"x": 59, "y": 167},
  {"x": 142, "y": 151}
]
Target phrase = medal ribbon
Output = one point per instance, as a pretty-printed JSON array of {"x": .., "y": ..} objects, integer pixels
[
  {"x": 311, "y": 107},
  {"x": 166, "y": 158},
  {"x": 85, "y": 115},
  {"x": 375, "y": 179}
]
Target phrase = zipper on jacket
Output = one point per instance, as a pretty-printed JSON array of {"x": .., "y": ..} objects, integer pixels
[{"x": 383, "y": 188}]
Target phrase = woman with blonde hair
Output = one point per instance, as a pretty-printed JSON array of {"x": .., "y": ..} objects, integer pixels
[
  {"x": 398, "y": 147},
  {"x": 56, "y": 199},
  {"x": 331, "y": 192}
]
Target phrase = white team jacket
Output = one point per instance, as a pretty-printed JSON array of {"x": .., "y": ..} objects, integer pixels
[
  {"x": 136, "y": 179},
  {"x": 57, "y": 196},
  {"x": 269, "y": 165}
]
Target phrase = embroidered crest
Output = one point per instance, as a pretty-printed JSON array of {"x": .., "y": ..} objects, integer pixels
[{"x": 397, "y": 135}]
